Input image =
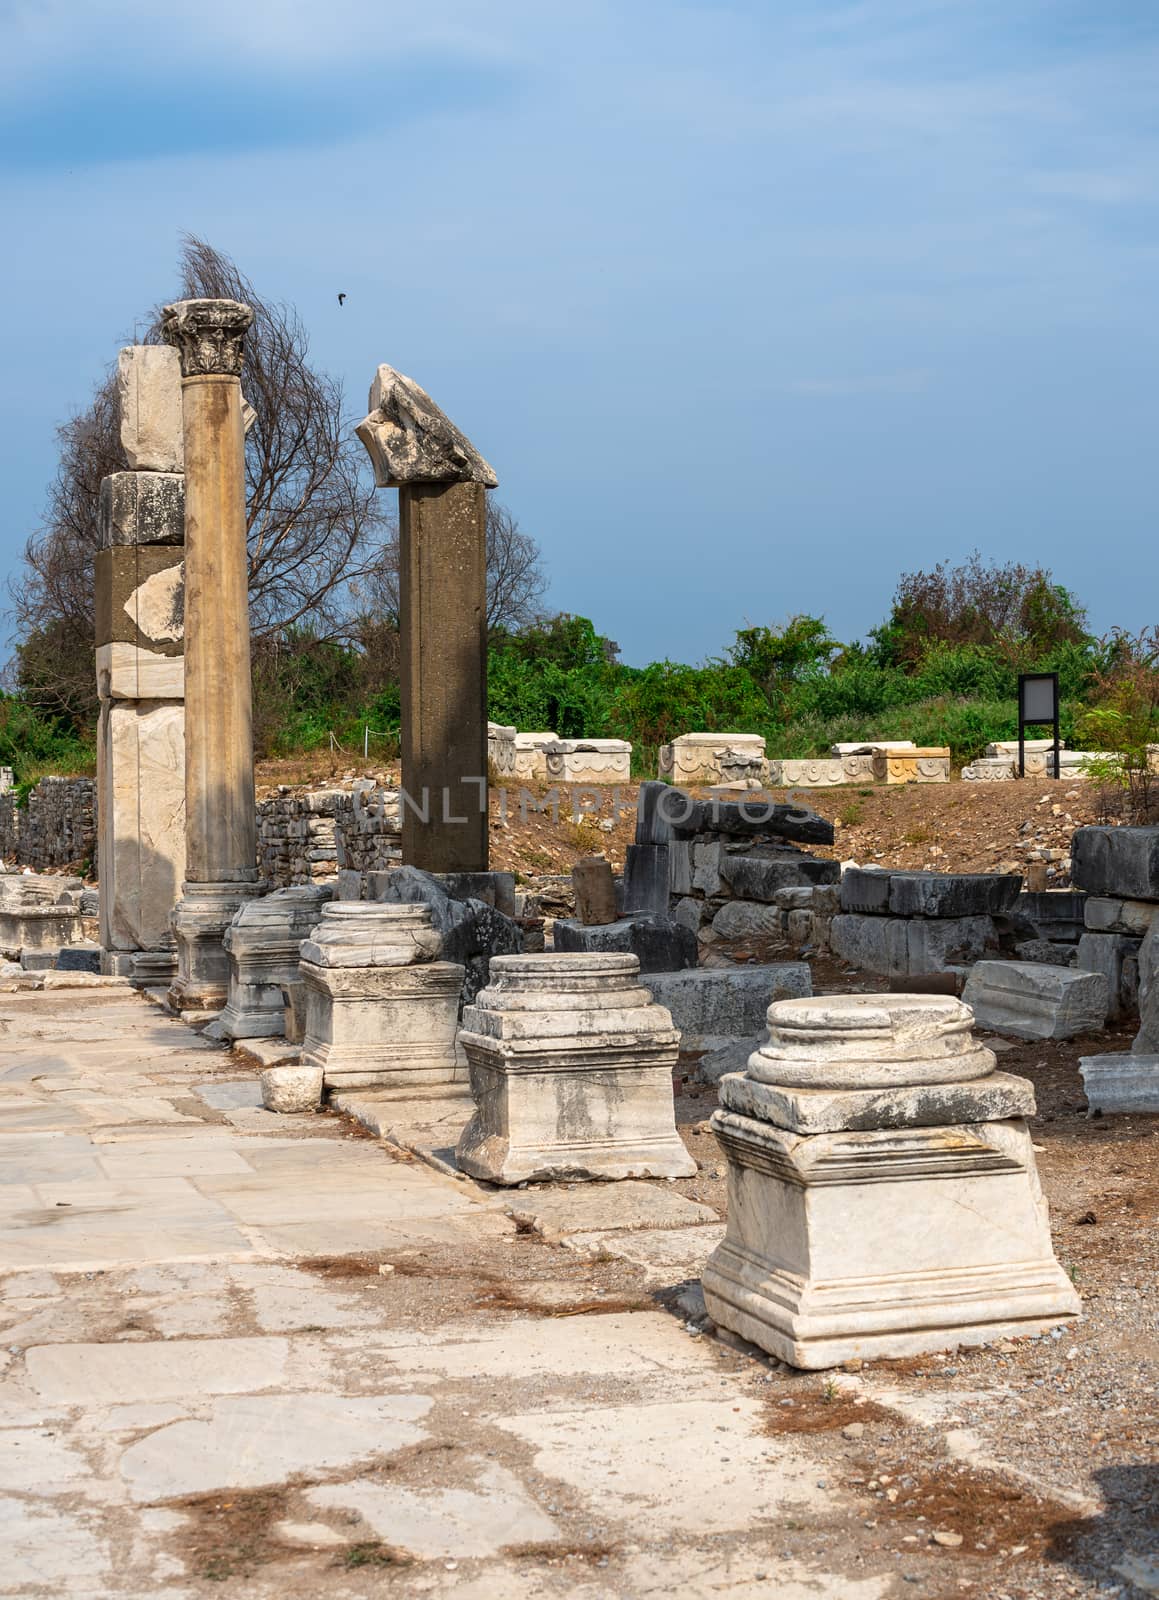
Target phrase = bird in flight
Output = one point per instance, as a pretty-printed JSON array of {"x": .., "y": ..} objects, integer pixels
[{"x": 341, "y": 299}]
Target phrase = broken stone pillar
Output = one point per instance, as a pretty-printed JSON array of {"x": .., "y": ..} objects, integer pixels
[
  {"x": 883, "y": 1198},
  {"x": 264, "y": 945},
  {"x": 595, "y": 891},
  {"x": 381, "y": 1009},
  {"x": 571, "y": 1073},
  {"x": 442, "y": 482},
  {"x": 139, "y": 634},
  {"x": 220, "y": 818}
]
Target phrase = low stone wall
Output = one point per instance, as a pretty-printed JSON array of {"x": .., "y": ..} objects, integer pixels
[
  {"x": 55, "y": 828},
  {"x": 305, "y": 837}
]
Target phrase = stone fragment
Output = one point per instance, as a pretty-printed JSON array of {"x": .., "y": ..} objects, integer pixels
[
  {"x": 595, "y": 891},
  {"x": 928, "y": 894},
  {"x": 1030, "y": 1001},
  {"x": 140, "y": 598},
  {"x": 646, "y": 874},
  {"x": 588, "y": 761},
  {"x": 571, "y": 1073},
  {"x": 473, "y": 929},
  {"x": 530, "y": 757},
  {"x": 1053, "y": 955},
  {"x": 381, "y": 1011},
  {"x": 1056, "y": 915},
  {"x": 149, "y": 402},
  {"x": 410, "y": 440},
  {"x": 653, "y": 823},
  {"x": 1103, "y": 914},
  {"x": 996, "y": 769},
  {"x": 1147, "y": 1039},
  {"x": 264, "y": 943},
  {"x": 1119, "y": 862},
  {"x": 709, "y": 1004},
  {"x": 501, "y": 751},
  {"x": 710, "y": 759},
  {"x": 924, "y": 764},
  {"x": 762, "y": 877},
  {"x": 141, "y": 508},
  {"x": 897, "y": 946},
  {"x": 292, "y": 1088},
  {"x": 659, "y": 944},
  {"x": 1121, "y": 1084},
  {"x": 745, "y": 919},
  {"x": 729, "y": 1058},
  {"x": 1116, "y": 956},
  {"x": 854, "y": 1242},
  {"x": 751, "y": 819}
]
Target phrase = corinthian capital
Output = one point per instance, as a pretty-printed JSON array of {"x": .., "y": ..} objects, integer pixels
[{"x": 208, "y": 335}]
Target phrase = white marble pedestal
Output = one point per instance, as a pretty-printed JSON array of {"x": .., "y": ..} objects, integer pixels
[
  {"x": 883, "y": 1198},
  {"x": 571, "y": 1071}
]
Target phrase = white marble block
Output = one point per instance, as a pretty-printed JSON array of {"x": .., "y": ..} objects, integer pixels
[
  {"x": 140, "y": 820},
  {"x": 589, "y": 761},
  {"x": 381, "y": 1010},
  {"x": 531, "y": 754},
  {"x": 571, "y": 1072},
  {"x": 883, "y": 1198},
  {"x": 1032, "y": 1000},
  {"x": 1121, "y": 1084},
  {"x": 264, "y": 942},
  {"x": 714, "y": 759},
  {"x": 501, "y": 750},
  {"x": 149, "y": 401}
]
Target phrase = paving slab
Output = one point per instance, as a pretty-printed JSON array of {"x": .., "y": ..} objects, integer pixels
[
  {"x": 107, "y": 1374},
  {"x": 594, "y": 1207},
  {"x": 666, "y": 1255}
]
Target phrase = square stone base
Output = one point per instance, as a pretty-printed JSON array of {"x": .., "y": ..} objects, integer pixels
[
  {"x": 199, "y": 921},
  {"x": 387, "y": 1028},
  {"x": 604, "y": 1113},
  {"x": 889, "y": 1243}
]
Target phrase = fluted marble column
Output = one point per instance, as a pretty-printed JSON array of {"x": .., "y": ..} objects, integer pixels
[{"x": 220, "y": 821}]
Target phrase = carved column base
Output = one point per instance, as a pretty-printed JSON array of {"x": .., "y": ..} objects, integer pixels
[{"x": 199, "y": 921}]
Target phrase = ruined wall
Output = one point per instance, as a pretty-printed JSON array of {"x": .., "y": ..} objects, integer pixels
[
  {"x": 57, "y": 827},
  {"x": 304, "y": 837}
]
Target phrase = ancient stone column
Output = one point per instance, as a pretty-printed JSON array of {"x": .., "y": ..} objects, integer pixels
[
  {"x": 138, "y": 617},
  {"x": 220, "y": 820},
  {"x": 442, "y": 482}
]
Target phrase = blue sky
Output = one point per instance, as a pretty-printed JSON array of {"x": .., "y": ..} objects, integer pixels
[{"x": 752, "y": 306}]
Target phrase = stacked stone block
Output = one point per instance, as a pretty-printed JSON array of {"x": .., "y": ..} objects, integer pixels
[
  {"x": 898, "y": 924},
  {"x": 56, "y": 827}
]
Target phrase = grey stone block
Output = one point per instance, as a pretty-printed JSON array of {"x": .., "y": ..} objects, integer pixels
[
  {"x": 141, "y": 508},
  {"x": 472, "y": 930},
  {"x": 1056, "y": 914},
  {"x": 1030, "y": 1001},
  {"x": 1147, "y": 1039},
  {"x": 680, "y": 867},
  {"x": 752, "y": 819},
  {"x": 706, "y": 868},
  {"x": 493, "y": 888},
  {"x": 1122, "y": 1084},
  {"x": 38, "y": 960},
  {"x": 929, "y": 894},
  {"x": 714, "y": 1002},
  {"x": 1119, "y": 862},
  {"x": 1103, "y": 914},
  {"x": 661, "y": 944},
  {"x": 895, "y": 946},
  {"x": 762, "y": 877},
  {"x": 995, "y": 1098},
  {"x": 1054, "y": 955},
  {"x": 747, "y": 919},
  {"x": 655, "y": 805},
  {"x": 729, "y": 1059},
  {"x": 646, "y": 875},
  {"x": 1116, "y": 956},
  {"x": 79, "y": 958}
]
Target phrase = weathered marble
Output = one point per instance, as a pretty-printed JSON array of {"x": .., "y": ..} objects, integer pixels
[
  {"x": 987, "y": 769},
  {"x": 501, "y": 750},
  {"x": 531, "y": 756},
  {"x": 658, "y": 943},
  {"x": 711, "y": 1004},
  {"x": 1121, "y": 863},
  {"x": 589, "y": 761},
  {"x": 714, "y": 758},
  {"x": 1121, "y": 1084},
  {"x": 410, "y": 440},
  {"x": 140, "y": 820},
  {"x": 292, "y": 1087},
  {"x": 571, "y": 1072},
  {"x": 881, "y": 1203},
  {"x": 149, "y": 405},
  {"x": 1030, "y": 1001},
  {"x": 381, "y": 1010},
  {"x": 141, "y": 508},
  {"x": 895, "y": 893},
  {"x": 925, "y": 764},
  {"x": 264, "y": 943},
  {"x": 894, "y": 947}
]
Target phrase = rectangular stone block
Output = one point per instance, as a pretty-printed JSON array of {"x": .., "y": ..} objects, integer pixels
[
  {"x": 763, "y": 877},
  {"x": 1116, "y": 956},
  {"x": 897, "y": 946},
  {"x": 1121, "y": 1084},
  {"x": 140, "y": 820},
  {"x": 149, "y": 399},
  {"x": 646, "y": 878},
  {"x": 1057, "y": 914},
  {"x": 929, "y": 894},
  {"x": 1030, "y": 1001},
  {"x": 127, "y": 672},
  {"x": 680, "y": 867},
  {"x": 659, "y": 943},
  {"x": 925, "y": 764},
  {"x": 1121, "y": 863},
  {"x": 711, "y": 1004},
  {"x": 801, "y": 1110},
  {"x": 142, "y": 508},
  {"x": 140, "y": 598},
  {"x": 1102, "y": 914}
]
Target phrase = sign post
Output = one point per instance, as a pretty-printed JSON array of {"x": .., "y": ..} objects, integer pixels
[{"x": 1037, "y": 704}]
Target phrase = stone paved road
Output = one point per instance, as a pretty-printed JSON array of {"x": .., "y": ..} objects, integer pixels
[{"x": 208, "y": 1386}]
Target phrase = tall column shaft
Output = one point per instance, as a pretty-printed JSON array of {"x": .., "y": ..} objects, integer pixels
[
  {"x": 221, "y": 827},
  {"x": 443, "y": 594}
]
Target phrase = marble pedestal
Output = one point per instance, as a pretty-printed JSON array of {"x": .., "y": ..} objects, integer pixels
[
  {"x": 381, "y": 1011},
  {"x": 199, "y": 921},
  {"x": 571, "y": 1071},
  {"x": 263, "y": 943},
  {"x": 883, "y": 1198}
]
